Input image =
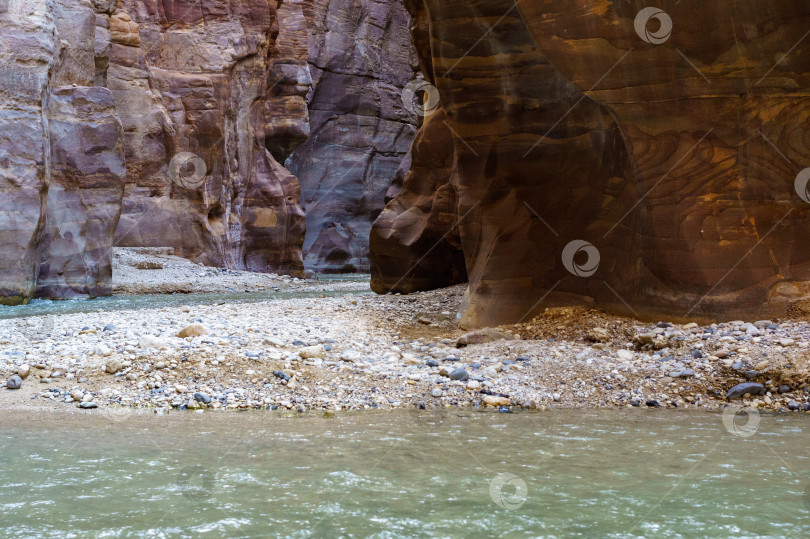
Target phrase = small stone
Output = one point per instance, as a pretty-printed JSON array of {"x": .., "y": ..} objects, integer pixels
[
  {"x": 473, "y": 384},
  {"x": 193, "y": 330},
  {"x": 459, "y": 374},
  {"x": 282, "y": 375},
  {"x": 87, "y": 397},
  {"x": 150, "y": 341},
  {"x": 432, "y": 363},
  {"x": 598, "y": 335},
  {"x": 180, "y": 388},
  {"x": 504, "y": 410},
  {"x": 625, "y": 355},
  {"x": 762, "y": 365},
  {"x": 653, "y": 404},
  {"x": 312, "y": 352},
  {"x": 783, "y": 389},
  {"x": 750, "y": 375},
  {"x": 747, "y": 388},
  {"x": 76, "y": 395},
  {"x": 23, "y": 371},
  {"x": 437, "y": 392},
  {"x": 786, "y": 342},
  {"x": 484, "y": 336},
  {"x": 113, "y": 366},
  {"x": 494, "y": 400},
  {"x": 15, "y": 382},
  {"x": 738, "y": 366},
  {"x": 87, "y": 405},
  {"x": 793, "y": 405},
  {"x": 556, "y": 397},
  {"x": 350, "y": 356},
  {"x": 110, "y": 327},
  {"x": 202, "y": 397},
  {"x": 723, "y": 352}
]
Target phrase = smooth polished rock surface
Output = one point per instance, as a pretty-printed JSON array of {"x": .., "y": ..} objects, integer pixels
[{"x": 604, "y": 157}]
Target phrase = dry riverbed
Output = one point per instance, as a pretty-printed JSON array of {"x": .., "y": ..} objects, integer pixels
[{"x": 367, "y": 351}]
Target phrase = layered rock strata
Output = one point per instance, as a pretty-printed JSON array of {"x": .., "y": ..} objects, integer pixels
[
  {"x": 199, "y": 87},
  {"x": 512, "y": 214},
  {"x": 61, "y": 154},
  {"x": 360, "y": 59},
  {"x": 648, "y": 161}
]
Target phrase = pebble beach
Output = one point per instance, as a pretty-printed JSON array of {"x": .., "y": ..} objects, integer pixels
[{"x": 342, "y": 348}]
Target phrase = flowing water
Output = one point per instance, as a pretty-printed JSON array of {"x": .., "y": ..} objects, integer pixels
[
  {"x": 458, "y": 473},
  {"x": 155, "y": 301}
]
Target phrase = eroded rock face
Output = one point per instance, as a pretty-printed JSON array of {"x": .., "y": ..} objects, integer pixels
[
  {"x": 665, "y": 190},
  {"x": 713, "y": 103},
  {"x": 26, "y": 56},
  {"x": 513, "y": 214},
  {"x": 415, "y": 244},
  {"x": 85, "y": 191},
  {"x": 199, "y": 87},
  {"x": 360, "y": 59}
]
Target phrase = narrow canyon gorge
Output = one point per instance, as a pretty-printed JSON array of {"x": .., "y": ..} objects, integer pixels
[{"x": 645, "y": 160}]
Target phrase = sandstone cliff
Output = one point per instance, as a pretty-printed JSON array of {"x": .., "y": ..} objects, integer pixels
[
  {"x": 166, "y": 123},
  {"x": 61, "y": 154},
  {"x": 360, "y": 59},
  {"x": 603, "y": 156},
  {"x": 198, "y": 91}
]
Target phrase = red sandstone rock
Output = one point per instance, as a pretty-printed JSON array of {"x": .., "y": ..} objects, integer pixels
[
  {"x": 513, "y": 215},
  {"x": 194, "y": 94},
  {"x": 667, "y": 191}
]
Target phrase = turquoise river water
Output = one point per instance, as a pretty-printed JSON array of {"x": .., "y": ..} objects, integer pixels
[{"x": 465, "y": 474}]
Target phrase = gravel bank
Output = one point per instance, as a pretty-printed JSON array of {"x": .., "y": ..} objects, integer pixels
[{"x": 355, "y": 352}]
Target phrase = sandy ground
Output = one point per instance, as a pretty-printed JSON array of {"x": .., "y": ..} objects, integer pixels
[{"x": 367, "y": 351}]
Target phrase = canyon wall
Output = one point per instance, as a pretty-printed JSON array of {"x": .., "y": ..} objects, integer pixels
[
  {"x": 166, "y": 123},
  {"x": 360, "y": 59},
  {"x": 647, "y": 158},
  {"x": 61, "y": 154},
  {"x": 198, "y": 90}
]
